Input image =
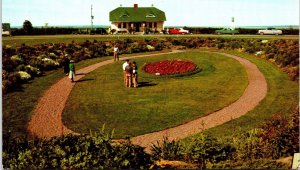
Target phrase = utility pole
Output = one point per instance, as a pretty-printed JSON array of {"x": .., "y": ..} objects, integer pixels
[{"x": 92, "y": 17}]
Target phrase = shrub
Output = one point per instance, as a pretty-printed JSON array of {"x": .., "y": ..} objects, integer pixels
[
  {"x": 24, "y": 75},
  {"x": 249, "y": 145},
  {"x": 73, "y": 152},
  {"x": 281, "y": 134},
  {"x": 167, "y": 150},
  {"x": 206, "y": 149}
]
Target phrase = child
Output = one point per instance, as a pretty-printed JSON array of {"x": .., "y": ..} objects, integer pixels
[
  {"x": 72, "y": 70},
  {"x": 134, "y": 74}
]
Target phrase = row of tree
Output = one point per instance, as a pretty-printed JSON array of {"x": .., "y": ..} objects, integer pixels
[{"x": 28, "y": 29}]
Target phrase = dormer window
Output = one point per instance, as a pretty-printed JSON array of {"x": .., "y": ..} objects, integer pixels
[
  {"x": 124, "y": 15},
  {"x": 150, "y": 16}
]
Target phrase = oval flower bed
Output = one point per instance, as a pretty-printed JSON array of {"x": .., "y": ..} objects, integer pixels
[{"x": 170, "y": 67}]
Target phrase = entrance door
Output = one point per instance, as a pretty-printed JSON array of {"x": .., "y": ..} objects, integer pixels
[{"x": 137, "y": 27}]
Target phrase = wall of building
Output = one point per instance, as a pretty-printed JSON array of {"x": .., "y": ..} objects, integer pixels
[{"x": 158, "y": 26}]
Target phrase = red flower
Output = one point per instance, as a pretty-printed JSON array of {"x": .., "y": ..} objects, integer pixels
[{"x": 170, "y": 67}]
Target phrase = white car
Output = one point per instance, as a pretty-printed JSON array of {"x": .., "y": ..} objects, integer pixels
[
  {"x": 184, "y": 31},
  {"x": 5, "y": 33},
  {"x": 270, "y": 31}
]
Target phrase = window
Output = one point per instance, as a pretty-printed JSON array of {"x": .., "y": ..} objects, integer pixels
[
  {"x": 155, "y": 24},
  {"x": 119, "y": 25},
  {"x": 150, "y": 24},
  {"x": 124, "y": 25},
  {"x": 124, "y": 15},
  {"x": 150, "y": 16}
]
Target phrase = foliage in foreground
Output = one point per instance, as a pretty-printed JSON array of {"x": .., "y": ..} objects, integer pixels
[
  {"x": 73, "y": 152},
  {"x": 258, "y": 148}
]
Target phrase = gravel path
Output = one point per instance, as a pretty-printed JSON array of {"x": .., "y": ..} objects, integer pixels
[{"x": 46, "y": 121}]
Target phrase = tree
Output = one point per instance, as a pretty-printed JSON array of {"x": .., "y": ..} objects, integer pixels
[{"x": 27, "y": 27}]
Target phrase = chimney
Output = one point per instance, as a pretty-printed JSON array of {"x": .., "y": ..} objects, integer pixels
[{"x": 135, "y": 6}]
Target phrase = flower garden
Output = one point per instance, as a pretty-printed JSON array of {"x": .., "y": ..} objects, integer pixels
[
  {"x": 259, "y": 139},
  {"x": 170, "y": 67}
]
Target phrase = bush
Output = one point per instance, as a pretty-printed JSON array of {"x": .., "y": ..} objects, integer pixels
[
  {"x": 167, "y": 150},
  {"x": 73, "y": 152},
  {"x": 206, "y": 149}
]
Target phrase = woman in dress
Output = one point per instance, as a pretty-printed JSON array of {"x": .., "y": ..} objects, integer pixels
[{"x": 134, "y": 74}]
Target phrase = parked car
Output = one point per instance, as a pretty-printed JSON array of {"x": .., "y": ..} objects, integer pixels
[
  {"x": 5, "y": 33},
  {"x": 178, "y": 31},
  {"x": 227, "y": 31},
  {"x": 270, "y": 31}
]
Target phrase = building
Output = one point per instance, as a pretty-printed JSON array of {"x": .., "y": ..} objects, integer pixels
[
  {"x": 6, "y": 31},
  {"x": 137, "y": 19}
]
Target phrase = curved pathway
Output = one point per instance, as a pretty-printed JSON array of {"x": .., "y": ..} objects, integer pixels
[{"x": 46, "y": 121}]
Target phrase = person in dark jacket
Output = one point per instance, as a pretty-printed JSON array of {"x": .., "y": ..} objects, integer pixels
[
  {"x": 66, "y": 63},
  {"x": 134, "y": 74}
]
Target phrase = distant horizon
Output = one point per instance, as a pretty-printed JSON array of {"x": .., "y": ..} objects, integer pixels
[{"x": 107, "y": 26}]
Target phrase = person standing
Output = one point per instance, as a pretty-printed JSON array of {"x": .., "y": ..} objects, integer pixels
[
  {"x": 134, "y": 74},
  {"x": 128, "y": 71},
  {"x": 124, "y": 72},
  {"x": 116, "y": 53},
  {"x": 66, "y": 63},
  {"x": 72, "y": 70}
]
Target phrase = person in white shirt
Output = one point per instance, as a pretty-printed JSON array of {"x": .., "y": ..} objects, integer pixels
[
  {"x": 124, "y": 67},
  {"x": 116, "y": 53}
]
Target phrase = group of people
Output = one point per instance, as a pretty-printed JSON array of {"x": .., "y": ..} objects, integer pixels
[{"x": 130, "y": 71}]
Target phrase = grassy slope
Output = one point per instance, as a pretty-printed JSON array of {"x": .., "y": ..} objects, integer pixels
[
  {"x": 167, "y": 102},
  {"x": 281, "y": 98}
]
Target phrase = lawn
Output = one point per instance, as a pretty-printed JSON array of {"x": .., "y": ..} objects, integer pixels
[
  {"x": 282, "y": 98},
  {"x": 35, "y": 40},
  {"x": 160, "y": 102},
  {"x": 18, "y": 105}
]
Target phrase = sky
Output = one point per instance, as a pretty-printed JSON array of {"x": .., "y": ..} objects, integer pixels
[{"x": 178, "y": 12}]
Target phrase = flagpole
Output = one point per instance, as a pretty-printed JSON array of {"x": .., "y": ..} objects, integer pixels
[{"x": 92, "y": 17}]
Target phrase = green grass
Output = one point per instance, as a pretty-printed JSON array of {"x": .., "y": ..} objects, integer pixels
[
  {"x": 163, "y": 103},
  {"x": 33, "y": 40},
  {"x": 282, "y": 98},
  {"x": 18, "y": 105}
]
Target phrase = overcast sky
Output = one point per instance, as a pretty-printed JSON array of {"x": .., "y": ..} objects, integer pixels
[{"x": 178, "y": 12}]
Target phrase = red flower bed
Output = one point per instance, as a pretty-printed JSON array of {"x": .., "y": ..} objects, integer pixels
[{"x": 170, "y": 67}]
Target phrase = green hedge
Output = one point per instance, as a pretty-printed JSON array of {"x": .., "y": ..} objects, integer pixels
[{"x": 73, "y": 152}]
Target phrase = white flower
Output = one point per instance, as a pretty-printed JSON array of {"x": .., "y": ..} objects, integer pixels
[
  {"x": 258, "y": 53},
  {"x": 16, "y": 58},
  {"x": 50, "y": 61},
  {"x": 24, "y": 75},
  {"x": 52, "y": 54},
  {"x": 150, "y": 48}
]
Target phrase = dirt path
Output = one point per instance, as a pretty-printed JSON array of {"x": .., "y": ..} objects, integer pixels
[{"x": 46, "y": 121}]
